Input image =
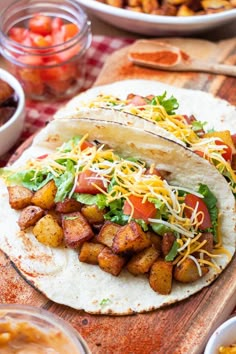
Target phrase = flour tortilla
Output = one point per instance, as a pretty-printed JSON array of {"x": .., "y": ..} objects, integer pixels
[
  {"x": 58, "y": 273},
  {"x": 217, "y": 113}
]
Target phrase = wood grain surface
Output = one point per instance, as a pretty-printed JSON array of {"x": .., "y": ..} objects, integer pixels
[{"x": 177, "y": 329}]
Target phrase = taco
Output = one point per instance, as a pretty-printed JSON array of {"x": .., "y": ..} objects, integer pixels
[
  {"x": 195, "y": 119},
  {"x": 113, "y": 219}
]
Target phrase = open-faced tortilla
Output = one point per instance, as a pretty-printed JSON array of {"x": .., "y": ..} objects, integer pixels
[
  {"x": 59, "y": 274},
  {"x": 195, "y": 119}
]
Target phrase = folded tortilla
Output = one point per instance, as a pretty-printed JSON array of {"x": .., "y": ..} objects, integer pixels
[{"x": 57, "y": 272}]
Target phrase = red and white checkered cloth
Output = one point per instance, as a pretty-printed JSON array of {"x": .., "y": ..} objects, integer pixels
[{"x": 39, "y": 113}]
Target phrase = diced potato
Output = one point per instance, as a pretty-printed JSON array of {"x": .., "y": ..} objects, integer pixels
[
  {"x": 110, "y": 262},
  {"x": 48, "y": 231},
  {"x": 187, "y": 271},
  {"x": 225, "y": 136},
  {"x": 93, "y": 214},
  {"x": 167, "y": 242},
  {"x": 156, "y": 240},
  {"x": 107, "y": 233},
  {"x": 19, "y": 197},
  {"x": 89, "y": 252},
  {"x": 44, "y": 197},
  {"x": 176, "y": 2},
  {"x": 29, "y": 216},
  {"x": 56, "y": 215},
  {"x": 130, "y": 238},
  {"x": 76, "y": 229},
  {"x": 208, "y": 237},
  {"x": 141, "y": 263},
  {"x": 149, "y": 6},
  {"x": 116, "y": 3},
  {"x": 160, "y": 278},
  {"x": 185, "y": 11},
  {"x": 69, "y": 205},
  {"x": 212, "y": 6}
]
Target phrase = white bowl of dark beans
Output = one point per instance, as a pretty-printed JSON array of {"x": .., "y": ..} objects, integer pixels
[{"x": 12, "y": 111}]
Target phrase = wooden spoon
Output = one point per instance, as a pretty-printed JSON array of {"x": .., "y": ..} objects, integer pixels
[{"x": 163, "y": 56}]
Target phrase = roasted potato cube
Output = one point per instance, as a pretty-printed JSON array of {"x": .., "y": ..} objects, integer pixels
[
  {"x": 110, "y": 262},
  {"x": 93, "y": 214},
  {"x": 29, "y": 216},
  {"x": 208, "y": 246},
  {"x": 56, "y": 215},
  {"x": 130, "y": 238},
  {"x": 149, "y": 6},
  {"x": 89, "y": 252},
  {"x": 141, "y": 263},
  {"x": 156, "y": 240},
  {"x": 48, "y": 231},
  {"x": 107, "y": 233},
  {"x": 212, "y": 6},
  {"x": 187, "y": 271},
  {"x": 160, "y": 278},
  {"x": 167, "y": 242},
  {"x": 185, "y": 11},
  {"x": 44, "y": 197},
  {"x": 19, "y": 197},
  {"x": 76, "y": 229},
  {"x": 69, "y": 205}
]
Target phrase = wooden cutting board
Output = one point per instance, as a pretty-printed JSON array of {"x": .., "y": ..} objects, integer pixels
[{"x": 178, "y": 329}]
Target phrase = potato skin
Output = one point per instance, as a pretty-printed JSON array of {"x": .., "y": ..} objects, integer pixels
[
  {"x": 187, "y": 271},
  {"x": 130, "y": 239},
  {"x": 160, "y": 278},
  {"x": 45, "y": 196},
  {"x": 19, "y": 197},
  {"x": 69, "y": 205},
  {"x": 93, "y": 214},
  {"x": 141, "y": 263},
  {"x": 110, "y": 262},
  {"x": 89, "y": 252},
  {"x": 76, "y": 229},
  {"x": 48, "y": 231},
  {"x": 167, "y": 242},
  {"x": 29, "y": 216},
  {"x": 107, "y": 233}
]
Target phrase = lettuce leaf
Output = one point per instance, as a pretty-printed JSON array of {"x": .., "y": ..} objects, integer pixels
[{"x": 170, "y": 104}]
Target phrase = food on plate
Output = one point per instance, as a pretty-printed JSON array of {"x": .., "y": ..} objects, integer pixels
[
  {"x": 137, "y": 215},
  {"x": 8, "y": 102},
  {"x": 48, "y": 65},
  {"x": 173, "y": 7},
  {"x": 217, "y": 147},
  {"x": 227, "y": 349}
]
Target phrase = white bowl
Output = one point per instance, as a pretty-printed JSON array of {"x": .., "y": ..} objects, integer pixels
[
  {"x": 12, "y": 129},
  {"x": 155, "y": 25},
  {"x": 224, "y": 335}
]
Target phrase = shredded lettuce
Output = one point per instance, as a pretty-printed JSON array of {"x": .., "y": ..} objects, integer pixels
[
  {"x": 173, "y": 252},
  {"x": 65, "y": 182}
]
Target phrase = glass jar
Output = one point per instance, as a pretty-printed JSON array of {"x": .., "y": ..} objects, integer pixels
[
  {"x": 28, "y": 329},
  {"x": 54, "y": 67}
]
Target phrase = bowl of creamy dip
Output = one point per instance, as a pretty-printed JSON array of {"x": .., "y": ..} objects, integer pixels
[{"x": 27, "y": 330}]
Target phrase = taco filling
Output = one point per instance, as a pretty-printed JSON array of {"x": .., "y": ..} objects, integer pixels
[
  {"x": 117, "y": 212},
  {"x": 218, "y": 147}
]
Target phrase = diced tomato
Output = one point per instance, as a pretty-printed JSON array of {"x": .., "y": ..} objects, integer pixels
[
  {"x": 153, "y": 171},
  {"x": 86, "y": 144},
  {"x": 233, "y": 136},
  {"x": 85, "y": 183},
  {"x": 69, "y": 53},
  {"x": 69, "y": 30},
  {"x": 191, "y": 202},
  {"x": 56, "y": 24},
  {"x": 40, "y": 24},
  {"x": 18, "y": 34},
  {"x": 41, "y": 157},
  {"x": 142, "y": 210},
  {"x": 137, "y": 100},
  {"x": 58, "y": 37},
  {"x": 41, "y": 41},
  {"x": 227, "y": 155},
  {"x": 31, "y": 60},
  {"x": 200, "y": 153}
]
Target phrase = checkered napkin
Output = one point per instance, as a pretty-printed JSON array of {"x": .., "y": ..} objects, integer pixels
[{"x": 39, "y": 113}]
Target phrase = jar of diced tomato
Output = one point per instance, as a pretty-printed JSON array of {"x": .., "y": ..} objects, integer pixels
[{"x": 45, "y": 44}]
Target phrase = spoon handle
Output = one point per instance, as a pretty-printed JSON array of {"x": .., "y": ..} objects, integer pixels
[{"x": 223, "y": 69}]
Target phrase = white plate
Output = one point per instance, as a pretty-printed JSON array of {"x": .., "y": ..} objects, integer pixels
[{"x": 155, "y": 25}]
